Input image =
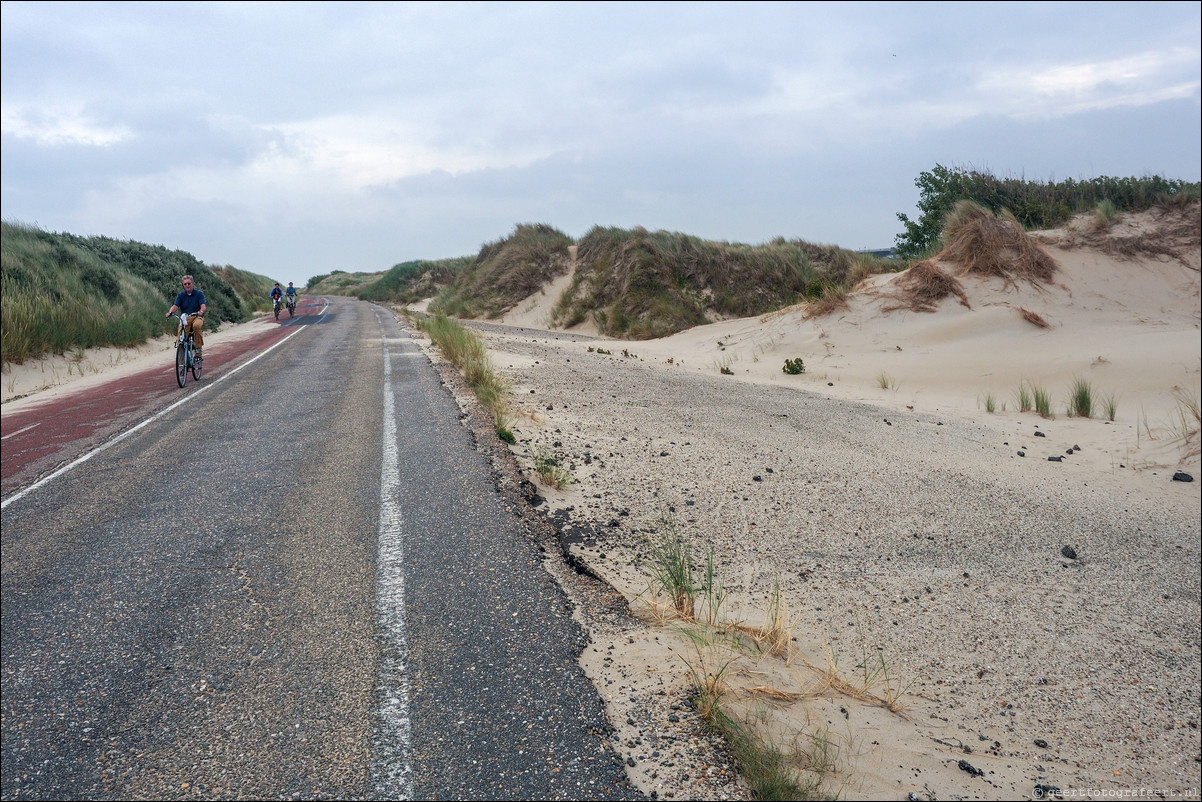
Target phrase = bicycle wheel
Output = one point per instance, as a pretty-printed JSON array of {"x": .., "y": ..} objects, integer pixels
[
  {"x": 196, "y": 364},
  {"x": 181, "y": 364},
  {"x": 277, "y": 311}
]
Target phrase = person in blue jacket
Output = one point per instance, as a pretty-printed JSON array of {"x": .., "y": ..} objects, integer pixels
[{"x": 191, "y": 301}]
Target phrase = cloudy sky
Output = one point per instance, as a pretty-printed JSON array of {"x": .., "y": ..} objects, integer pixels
[{"x": 291, "y": 139}]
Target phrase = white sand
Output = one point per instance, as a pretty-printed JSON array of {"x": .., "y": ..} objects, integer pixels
[{"x": 902, "y": 522}]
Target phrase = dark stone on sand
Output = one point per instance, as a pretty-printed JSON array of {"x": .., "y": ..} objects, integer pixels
[
  {"x": 1056, "y": 459},
  {"x": 1182, "y": 476},
  {"x": 970, "y": 768},
  {"x": 1041, "y": 743},
  {"x": 1022, "y": 453},
  {"x": 1068, "y": 551},
  {"x": 1040, "y": 434}
]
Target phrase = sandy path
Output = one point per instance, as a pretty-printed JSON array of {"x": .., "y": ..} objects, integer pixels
[{"x": 924, "y": 536}]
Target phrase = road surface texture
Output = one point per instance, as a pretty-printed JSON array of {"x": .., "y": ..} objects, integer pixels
[{"x": 301, "y": 583}]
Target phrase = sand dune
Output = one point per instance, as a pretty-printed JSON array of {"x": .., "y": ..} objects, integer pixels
[{"x": 905, "y": 521}]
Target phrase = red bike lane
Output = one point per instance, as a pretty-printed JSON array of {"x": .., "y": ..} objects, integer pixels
[{"x": 39, "y": 439}]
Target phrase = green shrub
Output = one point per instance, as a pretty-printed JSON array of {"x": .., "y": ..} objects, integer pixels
[
  {"x": 794, "y": 366},
  {"x": 1034, "y": 204},
  {"x": 63, "y": 293}
]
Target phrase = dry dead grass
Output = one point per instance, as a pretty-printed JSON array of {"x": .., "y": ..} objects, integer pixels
[
  {"x": 833, "y": 298},
  {"x": 1173, "y": 231},
  {"x": 1034, "y": 318},
  {"x": 980, "y": 243},
  {"x": 923, "y": 286}
]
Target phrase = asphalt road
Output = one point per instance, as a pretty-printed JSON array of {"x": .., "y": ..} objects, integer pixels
[{"x": 301, "y": 583}]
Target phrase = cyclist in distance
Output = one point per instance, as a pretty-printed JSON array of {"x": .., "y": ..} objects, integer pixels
[
  {"x": 191, "y": 301},
  {"x": 277, "y": 295},
  {"x": 291, "y": 295}
]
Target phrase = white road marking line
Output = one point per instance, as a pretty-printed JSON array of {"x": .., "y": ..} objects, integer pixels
[
  {"x": 104, "y": 446},
  {"x": 18, "y": 431},
  {"x": 393, "y": 772}
]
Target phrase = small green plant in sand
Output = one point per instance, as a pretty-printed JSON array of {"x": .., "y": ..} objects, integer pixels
[
  {"x": 1080, "y": 398},
  {"x": 794, "y": 366},
  {"x": 875, "y": 678},
  {"x": 772, "y": 772},
  {"x": 1023, "y": 398},
  {"x": 990, "y": 402},
  {"x": 885, "y": 382},
  {"x": 716, "y": 655},
  {"x": 549, "y": 470},
  {"x": 1043, "y": 402},
  {"x": 774, "y": 637},
  {"x": 501, "y": 423},
  {"x": 1187, "y": 420},
  {"x": 1111, "y": 404},
  {"x": 1106, "y": 214},
  {"x": 801, "y": 770},
  {"x": 672, "y": 567},
  {"x": 713, "y": 593}
]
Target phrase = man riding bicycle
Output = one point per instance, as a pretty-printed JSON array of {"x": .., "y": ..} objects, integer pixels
[
  {"x": 191, "y": 302},
  {"x": 290, "y": 294}
]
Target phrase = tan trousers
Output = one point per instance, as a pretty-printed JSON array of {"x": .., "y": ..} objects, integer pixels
[{"x": 195, "y": 323}]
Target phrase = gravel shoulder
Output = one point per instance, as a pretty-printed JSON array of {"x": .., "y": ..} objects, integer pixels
[{"x": 923, "y": 564}]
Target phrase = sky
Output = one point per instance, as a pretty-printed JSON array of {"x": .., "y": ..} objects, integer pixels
[{"x": 292, "y": 139}]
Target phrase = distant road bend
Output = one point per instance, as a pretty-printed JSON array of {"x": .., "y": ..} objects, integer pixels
[{"x": 300, "y": 582}]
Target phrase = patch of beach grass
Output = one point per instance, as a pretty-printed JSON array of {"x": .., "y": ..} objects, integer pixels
[
  {"x": 873, "y": 679},
  {"x": 1042, "y": 401},
  {"x": 775, "y": 636},
  {"x": 672, "y": 567},
  {"x": 1187, "y": 420},
  {"x": 1080, "y": 398},
  {"x": 1022, "y": 396},
  {"x": 549, "y": 470},
  {"x": 1111, "y": 405},
  {"x": 466, "y": 350}
]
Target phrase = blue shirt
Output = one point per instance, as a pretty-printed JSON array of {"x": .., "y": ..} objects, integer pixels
[{"x": 190, "y": 303}]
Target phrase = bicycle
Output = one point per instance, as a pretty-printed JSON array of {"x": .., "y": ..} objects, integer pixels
[
  {"x": 275, "y": 306},
  {"x": 291, "y": 304},
  {"x": 185, "y": 353}
]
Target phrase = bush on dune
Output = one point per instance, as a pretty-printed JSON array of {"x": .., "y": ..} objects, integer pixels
[
  {"x": 1034, "y": 204},
  {"x": 640, "y": 284},
  {"x": 505, "y": 272},
  {"x": 63, "y": 292},
  {"x": 412, "y": 281}
]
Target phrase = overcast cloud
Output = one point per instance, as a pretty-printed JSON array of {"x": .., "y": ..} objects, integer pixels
[{"x": 291, "y": 139}]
